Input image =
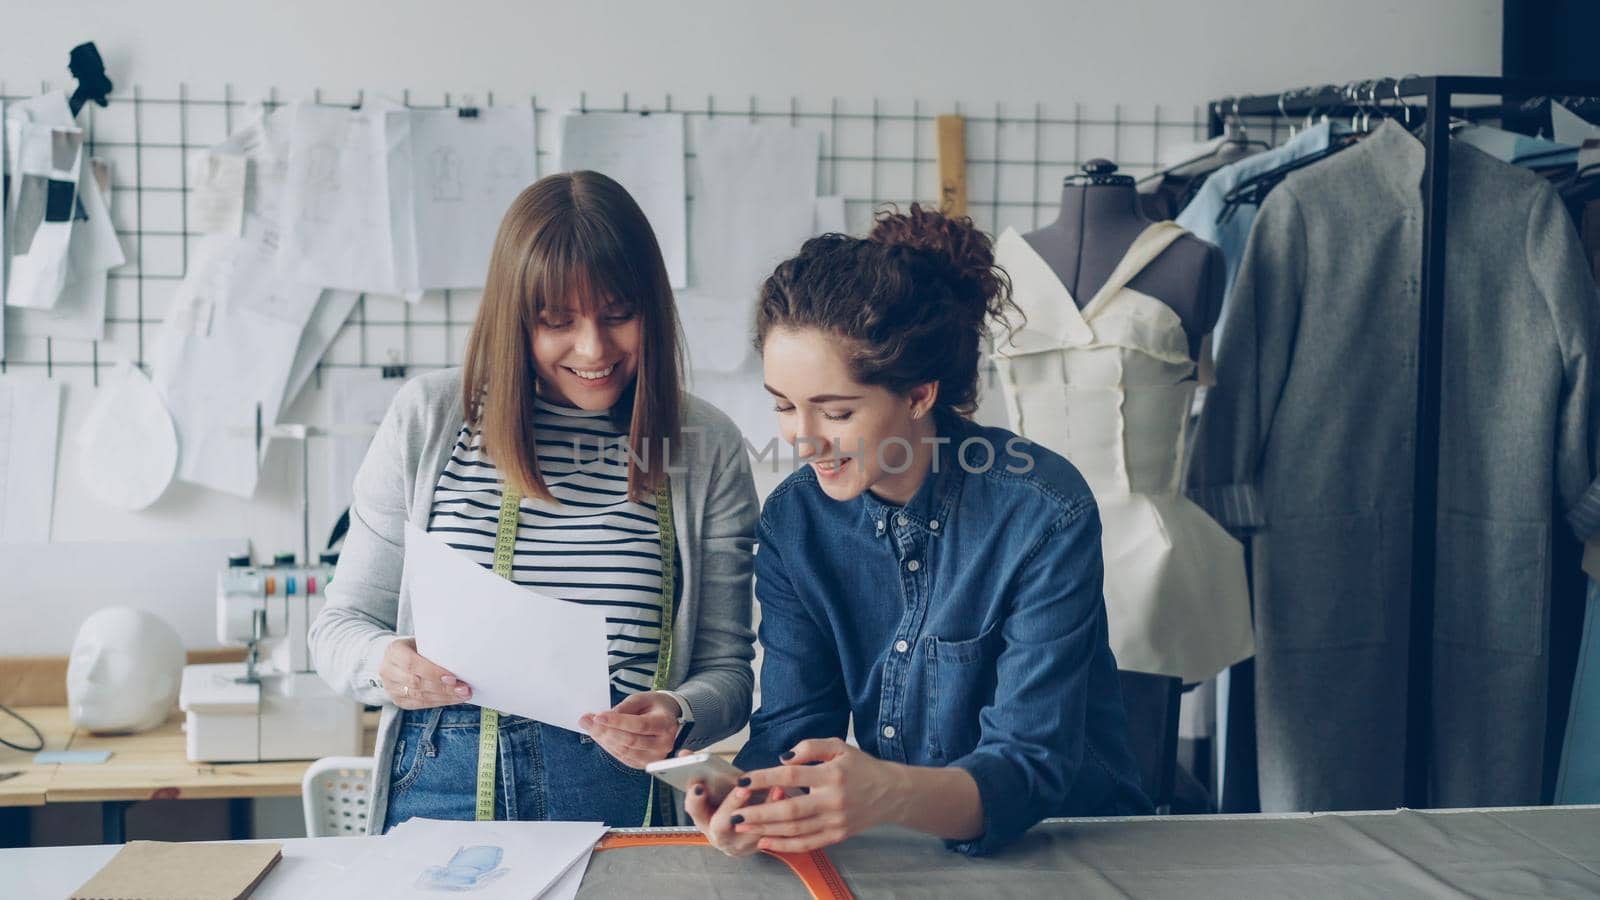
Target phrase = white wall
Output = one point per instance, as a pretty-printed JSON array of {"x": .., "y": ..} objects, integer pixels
[
  {"x": 1135, "y": 52},
  {"x": 1132, "y": 51}
]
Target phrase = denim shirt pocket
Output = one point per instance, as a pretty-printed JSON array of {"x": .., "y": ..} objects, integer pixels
[{"x": 961, "y": 682}]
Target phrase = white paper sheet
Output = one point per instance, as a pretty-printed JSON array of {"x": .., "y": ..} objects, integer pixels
[
  {"x": 30, "y": 427},
  {"x": 830, "y": 216},
  {"x": 333, "y": 308},
  {"x": 80, "y": 311},
  {"x": 465, "y": 173},
  {"x": 45, "y": 147},
  {"x": 216, "y": 204},
  {"x": 755, "y": 190},
  {"x": 645, "y": 154},
  {"x": 492, "y": 860},
  {"x": 212, "y": 385},
  {"x": 566, "y": 887},
  {"x": 239, "y": 329},
  {"x": 522, "y": 652},
  {"x": 1567, "y": 127},
  {"x": 127, "y": 446},
  {"x": 357, "y": 397},
  {"x": 339, "y": 216}
]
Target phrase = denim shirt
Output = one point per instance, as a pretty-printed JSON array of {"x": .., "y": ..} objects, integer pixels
[{"x": 967, "y": 628}]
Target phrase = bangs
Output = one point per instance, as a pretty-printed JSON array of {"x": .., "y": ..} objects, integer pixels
[{"x": 578, "y": 268}]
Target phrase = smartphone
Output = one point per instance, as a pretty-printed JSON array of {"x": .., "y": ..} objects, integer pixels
[{"x": 719, "y": 775}]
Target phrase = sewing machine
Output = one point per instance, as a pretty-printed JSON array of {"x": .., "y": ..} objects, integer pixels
[{"x": 272, "y": 706}]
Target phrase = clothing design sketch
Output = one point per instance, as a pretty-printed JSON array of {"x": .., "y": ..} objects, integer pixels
[
  {"x": 469, "y": 869},
  {"x": 1109, "y": 387},
  {"x": 445, "y": 164},
  {"x": 322, "y": 179}
]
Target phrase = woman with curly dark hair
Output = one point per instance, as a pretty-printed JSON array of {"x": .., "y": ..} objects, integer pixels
[{"x": 936, "y": 582}]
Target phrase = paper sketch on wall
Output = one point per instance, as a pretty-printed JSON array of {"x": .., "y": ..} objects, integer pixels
[
  {"x": 645, "y": 154},
  {"x": 345, "y": 218},
  {"x": 45, "y": 147},
  {"x": 444, "y": 164},
  {"x": 322, "y": 183},
  {"x": 468, "y": 870},
  {"x": 469, "y": 170}
]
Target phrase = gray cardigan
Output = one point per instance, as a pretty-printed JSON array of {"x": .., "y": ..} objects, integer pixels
[
  {"x": 1306, "y": 442},
  {"x": 714, "y": 508}
]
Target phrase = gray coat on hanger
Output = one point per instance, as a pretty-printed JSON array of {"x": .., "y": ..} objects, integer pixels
[{"x": 1306, "y": 443}]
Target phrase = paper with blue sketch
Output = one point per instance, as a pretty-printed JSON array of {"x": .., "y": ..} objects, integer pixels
[
  {"x": 521, "y": 651},
  {"x": 645, "y": 154},
  {"x": 489, "y": 860},
  {"x": 465, "y": 173}
]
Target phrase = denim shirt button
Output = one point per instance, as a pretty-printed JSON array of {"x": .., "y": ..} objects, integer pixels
[
  {"x": 900, "y": 520},
  {"x": 933, "y": 524},
  {"x": 901, "y": 646},
  {"x": 888, "y": 731},
  {"x": 913, "y": 565}
]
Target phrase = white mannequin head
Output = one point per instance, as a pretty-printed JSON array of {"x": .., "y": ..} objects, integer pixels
[{"x": 124, "y": 673}]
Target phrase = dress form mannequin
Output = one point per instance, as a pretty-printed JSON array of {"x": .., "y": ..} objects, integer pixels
[
  {"x": 1100, "y": 217},
  {"x": 1104, "y": 371}
]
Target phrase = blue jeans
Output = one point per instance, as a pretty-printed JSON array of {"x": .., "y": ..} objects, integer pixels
[{"x": 542, "y": 773}]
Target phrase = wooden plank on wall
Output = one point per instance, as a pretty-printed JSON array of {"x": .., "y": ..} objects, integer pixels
[{"x": 952, "y": 165}]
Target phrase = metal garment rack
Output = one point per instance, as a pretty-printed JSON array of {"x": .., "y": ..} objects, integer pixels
[{"x": 1438, "y": 95}]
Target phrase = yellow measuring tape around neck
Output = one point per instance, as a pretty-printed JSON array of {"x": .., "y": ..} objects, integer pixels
[{"x": 505, "y": 551}]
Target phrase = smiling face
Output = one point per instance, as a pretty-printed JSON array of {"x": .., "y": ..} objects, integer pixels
[
  {"x": 586, "y": 353},
  {"x": 837, "y": 425}
]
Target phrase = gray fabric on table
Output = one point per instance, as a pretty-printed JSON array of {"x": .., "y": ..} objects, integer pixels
[{"x": 1552, "y": 852}]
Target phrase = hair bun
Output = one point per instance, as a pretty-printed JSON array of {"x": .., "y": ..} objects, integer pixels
[{"x": 959, "y": 245}]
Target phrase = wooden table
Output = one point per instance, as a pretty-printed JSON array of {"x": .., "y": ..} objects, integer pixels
[{"x": 152, "y": 765}]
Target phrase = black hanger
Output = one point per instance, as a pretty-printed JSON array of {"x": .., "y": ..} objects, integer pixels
[
  {"x": 1238, "y": 139},
  {"x": 85, "y": 65},
  {"x": 1254, "y": 190}
]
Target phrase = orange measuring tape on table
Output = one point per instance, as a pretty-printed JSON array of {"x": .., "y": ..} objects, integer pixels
[{"x": 814, "y": 869}]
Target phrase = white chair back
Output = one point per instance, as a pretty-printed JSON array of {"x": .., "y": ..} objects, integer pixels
[{"x": 337, "y": 796}]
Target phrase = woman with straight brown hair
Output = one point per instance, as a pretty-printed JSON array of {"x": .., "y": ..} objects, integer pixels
[{"x": 568, "y": 444}]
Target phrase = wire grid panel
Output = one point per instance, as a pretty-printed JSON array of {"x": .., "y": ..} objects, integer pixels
[{"x": 873, "y": 153}]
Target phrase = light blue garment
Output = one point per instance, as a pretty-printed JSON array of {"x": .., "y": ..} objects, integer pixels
[
  {"x": 1200, "y": 216},
  {"x": 1518, "y": 149},
  {"x": 1579, "y": 781}
]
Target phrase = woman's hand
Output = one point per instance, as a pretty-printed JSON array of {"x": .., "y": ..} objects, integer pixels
[
  {"x": 639, "y": 730},
  {"x": 717, "y": 822},
  {"x": 413, "y": 682},
  {"x": 830, "y": 792}
]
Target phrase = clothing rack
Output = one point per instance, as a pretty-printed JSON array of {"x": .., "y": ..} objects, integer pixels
[{"x": 1438, "y": 96}]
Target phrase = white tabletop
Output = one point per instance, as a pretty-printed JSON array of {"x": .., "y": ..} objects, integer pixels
[{"x": 56, "y": 872}]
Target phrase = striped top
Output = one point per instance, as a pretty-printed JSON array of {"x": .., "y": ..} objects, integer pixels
[{"x": 595, "y": 546}]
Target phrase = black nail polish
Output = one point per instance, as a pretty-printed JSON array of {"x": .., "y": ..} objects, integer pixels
[
  {"x": 787, "y": 755},
  {"x": 699, "y": 790},
  {"x": 744, "y": 782},
  {"x": 737, "y": 820}
]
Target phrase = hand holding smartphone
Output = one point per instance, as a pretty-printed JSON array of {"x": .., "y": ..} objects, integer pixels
[{"x": 719, "y": 775}]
